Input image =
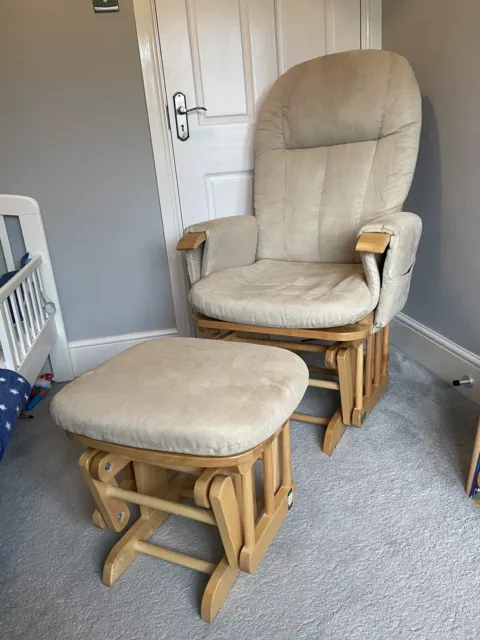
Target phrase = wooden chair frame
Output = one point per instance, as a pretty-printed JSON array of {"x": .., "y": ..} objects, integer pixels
[
  {"x": 224, "y": 493},
  {"x": 356, "y": 360}
]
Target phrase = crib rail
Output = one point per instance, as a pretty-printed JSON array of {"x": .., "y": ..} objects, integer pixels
[
  {"x": 31, "y": 329},
  {"x": 23, "y": 314}
]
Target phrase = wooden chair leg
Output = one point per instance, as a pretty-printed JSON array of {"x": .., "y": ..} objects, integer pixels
[
  {"x": 385, "y": 349},
  {"x": 376, "y": 361},
  {"x": 377, "y": 370},
  {"x": 358, "y": 414},
  {"x": 335, "y": 430},
  {"x": 369, "y": 366},
  {"x": 345, "y": 378}
]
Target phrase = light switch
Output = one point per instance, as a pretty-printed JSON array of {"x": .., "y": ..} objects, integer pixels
[{"x": 105, "y": 5}]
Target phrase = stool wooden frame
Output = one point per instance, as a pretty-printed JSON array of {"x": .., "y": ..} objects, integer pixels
[
  {"x": 355, "y": 359},
  {"x": 222, "y": 488}
]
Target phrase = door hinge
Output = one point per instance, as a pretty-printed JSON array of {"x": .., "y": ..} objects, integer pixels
[{"x": 168, "y": 117}]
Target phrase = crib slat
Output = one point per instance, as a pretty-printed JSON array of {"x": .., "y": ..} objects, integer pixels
[
  {"x": 43, "y": 297},
  {"x": 24, "y": 324},
  {"x": 7, "y": 250},
  {"x": 18, "y": 324},
  {"x": 9, "y": 325},
  {"x": 28, "y": 304},
  {"x": 37, "y": 289},
  {"x": 34, "y": 304}
]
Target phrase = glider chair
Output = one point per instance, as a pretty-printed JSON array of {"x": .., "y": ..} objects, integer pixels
[{"x": 325, "y": 262}]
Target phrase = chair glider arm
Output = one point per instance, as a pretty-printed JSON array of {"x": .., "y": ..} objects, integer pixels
[
  {"x": 373, "y": 242},
  {"x": 191, "y": 241},
  {"x": 218, "y": 244}
]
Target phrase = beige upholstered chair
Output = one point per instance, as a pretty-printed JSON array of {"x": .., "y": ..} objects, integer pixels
[{"x": 329, "y": 253}]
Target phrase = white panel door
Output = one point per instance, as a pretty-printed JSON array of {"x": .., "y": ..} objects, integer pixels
[{"x": 224, "y": 55}]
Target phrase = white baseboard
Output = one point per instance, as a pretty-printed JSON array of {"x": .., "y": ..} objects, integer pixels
[
  {"x": 86, "y": 354},
  {"x": 441, "y": 356}
]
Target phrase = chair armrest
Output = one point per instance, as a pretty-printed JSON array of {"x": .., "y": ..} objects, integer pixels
[
  {"x": 191, "y": 241},
  {"x": 373, "y": 242},
  {"x": 219, "y": 244},
  {"x": 403, "y": 231}
]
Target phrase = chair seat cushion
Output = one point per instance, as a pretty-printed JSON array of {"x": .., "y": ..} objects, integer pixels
[
  {"x": 185, "y": 395},
  {"x": 273, "y": 293}
]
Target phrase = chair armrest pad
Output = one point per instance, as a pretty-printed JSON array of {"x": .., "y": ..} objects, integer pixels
[
  {"x": 403, "y": 230},
  {"x": 191, "y": 241},
  {"x": 219, "y": 244},
  {"x": 373, "y": 242}
]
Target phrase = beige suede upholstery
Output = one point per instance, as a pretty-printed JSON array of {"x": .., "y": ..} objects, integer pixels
[
  {"x": 231, "y": 242},
  {"x": 335, "y": 151},
  {"x": 185, "y": 395},
  {"x": 273, "y": 293}
]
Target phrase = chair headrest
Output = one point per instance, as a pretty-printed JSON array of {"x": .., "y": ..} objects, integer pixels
[{"x": 340, "y": 98}]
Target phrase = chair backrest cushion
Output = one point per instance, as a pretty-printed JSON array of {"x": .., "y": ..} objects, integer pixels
[{"x": 336, "y": 145}]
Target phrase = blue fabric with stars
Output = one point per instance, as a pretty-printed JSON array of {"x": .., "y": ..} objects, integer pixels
[{"x": 14, "y": 393}]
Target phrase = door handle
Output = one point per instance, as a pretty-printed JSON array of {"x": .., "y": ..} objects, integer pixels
[
  {"x": 183, "y": 111},
  {"x": 181, "y": 115}
]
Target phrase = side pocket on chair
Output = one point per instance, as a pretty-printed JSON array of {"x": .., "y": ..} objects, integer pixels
[{"x": 393, "y": 297}]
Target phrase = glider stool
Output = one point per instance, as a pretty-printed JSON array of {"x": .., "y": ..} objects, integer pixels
[{"x": 184, "y": 418}]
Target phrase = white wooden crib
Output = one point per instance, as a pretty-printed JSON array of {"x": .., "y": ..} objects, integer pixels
[{"x": 31, "y": 323}]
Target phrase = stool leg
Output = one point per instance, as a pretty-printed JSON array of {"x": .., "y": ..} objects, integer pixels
[
  {"x": 124, "y": 552},
  {"x": 286, "y": 457},
  {"x": 248, "y": 500},
  {"x": 152, "y": 481},
  {"x": 225, "y": 507},
  {"x": 114, "y": 513},
  {"x": 217, "y": 589},
  {"x": 237, "y": 483},
  {"x": 98, "y": 520},
  {"x": 268, "y": 481},
  {"x": 259, "y": 537},
  {"x": 227, "y": 514},
  {"x": 277, "y": 462}
]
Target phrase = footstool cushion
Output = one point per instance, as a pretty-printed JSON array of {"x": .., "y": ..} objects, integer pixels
[{"x": 185, "y": 395}]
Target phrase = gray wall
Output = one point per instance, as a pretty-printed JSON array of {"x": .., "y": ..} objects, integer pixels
[
  {"x": 74, "y": 135},
  {"x": 441, "y": 40}
]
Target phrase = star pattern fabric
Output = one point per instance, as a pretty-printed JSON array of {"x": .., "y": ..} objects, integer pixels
[{"x": 14, "y": 393}]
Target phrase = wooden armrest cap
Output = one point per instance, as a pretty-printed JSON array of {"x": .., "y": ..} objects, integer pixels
[
  {"x": 373, "y": 242},
  {"x": 191, "y": 241}
]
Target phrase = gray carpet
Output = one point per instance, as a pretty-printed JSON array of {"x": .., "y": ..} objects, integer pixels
[{"x": 382, "y": 543}]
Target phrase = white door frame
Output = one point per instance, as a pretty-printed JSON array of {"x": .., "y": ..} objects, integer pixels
[{"x": 157, "y": 99}]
